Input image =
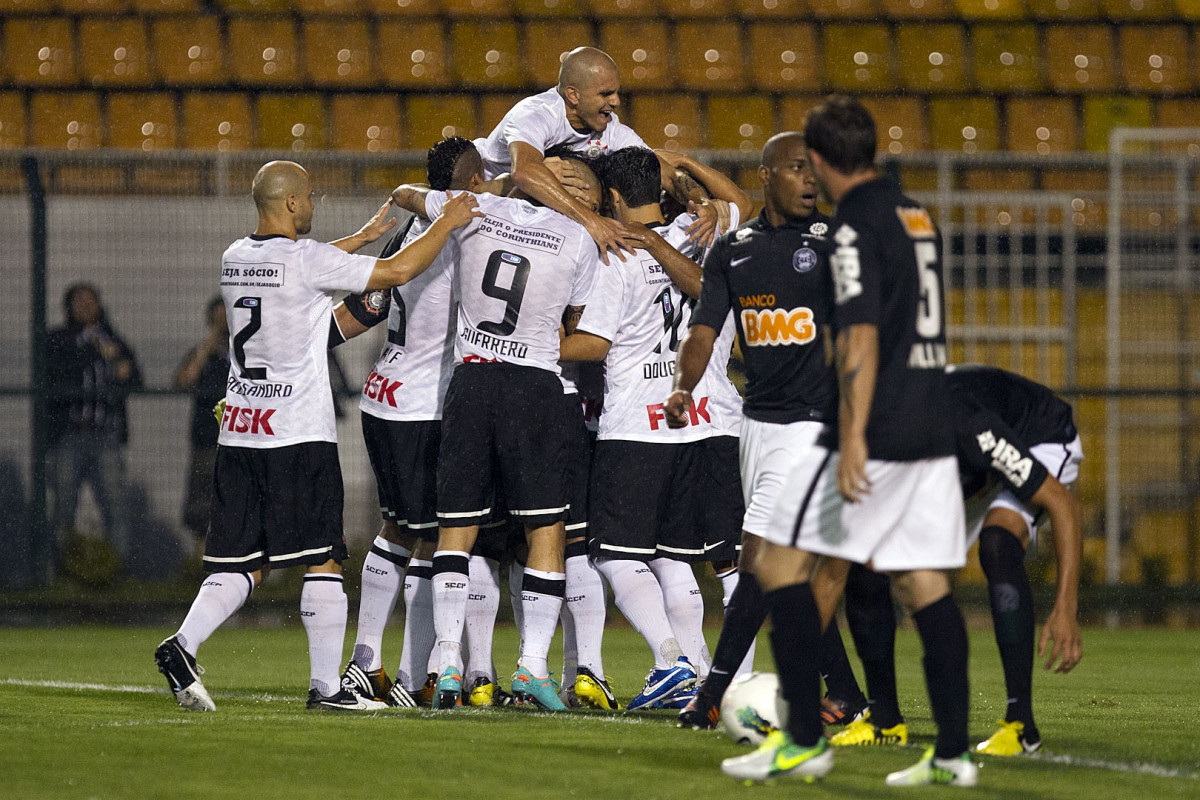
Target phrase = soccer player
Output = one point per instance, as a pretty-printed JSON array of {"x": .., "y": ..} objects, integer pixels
[
  {"x": 650, "y": 515},
  {"x": 278, "y": 486},
  {"x": 1009, "y": 483},
  {"x": 522, "y": 271},
  {"x": 882, "y": 485},
  {"x": 772, "y": 274},
  {"x": 401, "y": 406}
]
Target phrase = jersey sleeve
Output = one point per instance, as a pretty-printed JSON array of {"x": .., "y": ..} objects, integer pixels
[
  {"x": 985, "y": 444},
  {"x": 857, "y": 275},
  {"x": 714, "y": 306},
  {"x": 434, "y": 201},
  {"x": 586, "y": 267},
  {"x": 735, "y": 218},
  {"x": 602, "y": 315},
  {"x": 531, "y": 123},
  {"x": 624, "y": 136},
  {"x": 331, "y": 269}
]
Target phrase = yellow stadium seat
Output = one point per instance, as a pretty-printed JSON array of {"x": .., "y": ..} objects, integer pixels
[
  {"x": 687, "y": 9},
  {"x": 487, "y": 54},
  {"x": 1064, "y": 9},
  {"x": 93, "y": 6},
  {"x": 545, "y": 45},
  {"x": 844, "y": 9},
  {"x": 368, "y": 122},
  {"x": 858, "y": 57},
  {"x": 783, "y": 57},
  {"x": 1188, "y": 9},
  {"x": 642, "y": 50},
  {"x": 493, "y": 107},
  {"x": 1007, "y": 58},
  {"x": 1155, "y": 59},
  {"x": 216, "y": 121},
  {"x": 403, "y": 8},
  {"x": 317, "y": 8},
  {"x": 67, "y": 120},
  {"x": 965, "y": 124},
  {"x": 416, "y": 54},
  {"x": 337, "y": 53},
  {"x": 42, "y": 7},
  {"x": 990, "y": 9},
  {"x": 114, "y": 52},
  {"x": 792, "y": 109},
  {"x": 899, "y": 124},
  {"x": 740, "y": 122},
  {"x": 1122, "y": 10},
  {"x": 263, "y": 52},
  {"x": 998, "y": 180},
  {"x": 1103, "y": 113},
  {"x": 477, "y": 8},
  {"x": 255, "y": 6},
  {"x": 1178, "y": 113},
  {"x": 141, "y": 121},
  {"x": 1042, "y": 125},
  {"x": 187, "y": 50},
  {"x": 709, "y": 55},
  {"x": 40, "y": 51},
  {"x": 535, "y": 9},
  {"x": 12, "y": 120},
  {"x": 918, "y": 9},
  {"x": 432, "y": 118},
  {"x": 668, "y": 120},
  {"x": 1080, "y": 57},
  {"x": 151, "y": 7},
  {"x": 932, "y": 57},
  {"x": 291, "y": 122},
  {"x": 617, "y": 9},
  {"x": 771, "y": 9}
]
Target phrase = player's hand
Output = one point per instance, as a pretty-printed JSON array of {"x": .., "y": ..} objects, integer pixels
[
  {"x": 612, "y": 236},
  {"x": 379, "y": 224},
  {"x": 704, "y": 230},
  {"x": 852, "y": 480},
  {"x": 1063, "y": 628},
  {"x": 460, "y": 209},
  {"x": 570, "y": 175},
  {"x": 677, "y": 408}
]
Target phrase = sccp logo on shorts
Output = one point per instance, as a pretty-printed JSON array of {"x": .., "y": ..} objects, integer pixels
[{"x": 804, "y": 259}]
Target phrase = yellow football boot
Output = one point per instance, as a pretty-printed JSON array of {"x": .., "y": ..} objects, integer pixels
[
  {"x": 594, "y": 692},
  {"x": 1010, "y": 740},
  {"x": 482, "y": 692},
  {"x": 865, "y": 732}
]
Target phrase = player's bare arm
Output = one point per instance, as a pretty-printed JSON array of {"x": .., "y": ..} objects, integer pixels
[
  {"x": 690, "y": 362},
  {"x": 376, "y": 226},
  {"x": 857, "y": 361},
  {"x": 720, "y": 187},
  {"x": 411, "y": 198},
  {"x": 1062, "y": 626},
  {"x": 684, "y": 272},
  {"x": 414, "y": 258},
  {"x": 583, "y": 347},
  {"x": 571, "y": 318}
]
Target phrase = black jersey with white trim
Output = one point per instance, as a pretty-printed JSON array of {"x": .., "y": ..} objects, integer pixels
[
  {"x": 776, "y": 281},
  {"x": 887, "y": 272},
  {"x": 1032, "y": 410},
  {"x": 988, "y": 446}
]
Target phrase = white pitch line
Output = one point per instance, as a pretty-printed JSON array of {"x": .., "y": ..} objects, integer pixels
[{"x": 1137, "y": 767}]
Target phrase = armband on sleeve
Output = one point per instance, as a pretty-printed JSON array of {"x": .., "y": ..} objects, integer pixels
[
  {"x": 369, "y": 308},
  {"x": 336, "y": 336}
]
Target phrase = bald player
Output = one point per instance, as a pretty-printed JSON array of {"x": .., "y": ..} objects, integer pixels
[{"x": 277, "y": 499}]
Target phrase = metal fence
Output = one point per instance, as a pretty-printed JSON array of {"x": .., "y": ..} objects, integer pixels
[{"x": 1031, "y": 287}]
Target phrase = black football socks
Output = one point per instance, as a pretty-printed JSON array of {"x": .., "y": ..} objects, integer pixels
[
  {"x": 743, "y": 617},
  {"x": 795, "y": 635},
  {"x": 1003, "y": 560},
  {"x": 944, "y": 637},
  {"x": 872, "y": 619}
]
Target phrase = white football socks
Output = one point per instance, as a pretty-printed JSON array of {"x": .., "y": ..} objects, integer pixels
[
  {"x": 381, "y": 573},
  {"x": 541, "y": 603},
  {"x": 585, "y": 604},
  {"x": 418, "y": 625},
  {"x": 323, "y": 612},
  {"x": 516, "y": 574},
  {"x": 219, "y": 598},
  {"x": 450, "y": 582},
  {"x": 685, "y": 609},
  {"x": 483, "y": 603},
  {"x": 640, "y": 599}
]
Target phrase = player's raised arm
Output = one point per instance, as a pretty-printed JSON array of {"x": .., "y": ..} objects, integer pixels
[
  {"x": 713, "y": 215},
  {"x": 412, "y": 260},
  {"x": 376, "y": 226},
  {"x": 411, "y": 198},
  {"x": 685, "y": 273},
  {"x": 1062, "y": 626}
]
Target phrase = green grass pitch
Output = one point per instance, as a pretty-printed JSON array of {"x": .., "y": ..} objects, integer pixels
[{"x": 84, "y": 714}]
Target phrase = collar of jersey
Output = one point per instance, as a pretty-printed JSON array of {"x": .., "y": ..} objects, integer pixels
[
  {"x": 259, "y": 238},
  {"x": 764, "y": 225}
]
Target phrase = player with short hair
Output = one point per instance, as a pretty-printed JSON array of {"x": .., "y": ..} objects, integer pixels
[
  {"x": 278, "y": 486},
  {"x": 1018, "y": 454},
  {"x": 522, "y": 270},
  {"x": 654, "y": 505},
  {"x": 882, "y": 486}
]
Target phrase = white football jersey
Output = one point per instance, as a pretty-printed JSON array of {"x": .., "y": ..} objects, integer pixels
[
  {"x": 643, "y": 313},
  {"x": 410, "y": 378},
  {"x": 541, "y": 121},
  {"x": 517, "y": 270},
  {"x": 278, "y": 297}
]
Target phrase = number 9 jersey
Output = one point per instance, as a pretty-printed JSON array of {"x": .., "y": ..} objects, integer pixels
[
  {"x": 518, "y": 269},
  {"x": 278, "y": 297}
]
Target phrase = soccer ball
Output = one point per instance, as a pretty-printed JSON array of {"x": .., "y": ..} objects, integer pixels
[{"x": 752, "y": 708}]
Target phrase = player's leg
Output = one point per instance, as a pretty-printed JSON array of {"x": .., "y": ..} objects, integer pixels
[
  {"x": 543, "y": 587},
  {"x": 483, "y": 603},
  {"x": 450, "y": 583},
  {"x": 413, "y": 673},
  {"x": 843, "y": 700}
]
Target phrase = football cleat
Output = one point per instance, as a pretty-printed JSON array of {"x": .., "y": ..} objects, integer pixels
[
  {"x": 373, "y": 685},
  {"x": 960, "y": 771},
  {"x": 424, "y": 696},
  {"x": 835, "y": 711},
  {"x": 481, "y": 693},
  {"x": 183, "y": 675},
  {"x": 594, "y": 691},
  {"x": 661, "y": 684},
  {"x": 568, "y": 697},
  {"x": 344, "y": 700},
  {"x": 677, "y": 701},
  {"x": 399, "y": 697},
  {"x": 1011, "y": 740},
  {"x": 779, "y": 757},
  {"x": 700, "y": 714},
  {"x": 541, "y": 692},
  {"x": 449, "y": 689},
  {"x": 865, "y": 732},
  {"x": 502, "y": 698}
]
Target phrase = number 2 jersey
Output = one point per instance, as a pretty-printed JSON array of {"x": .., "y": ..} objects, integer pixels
[
  {"x": 644, "y": 314},
  {"x": 517, "y": 270},
  {"x": 278, "y": 298},
  {"x": 409, "y": 380}
]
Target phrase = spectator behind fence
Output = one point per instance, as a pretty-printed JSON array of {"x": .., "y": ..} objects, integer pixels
[
  {"x": 92, "y": 372},
  {"x": 203, "y": 372}
]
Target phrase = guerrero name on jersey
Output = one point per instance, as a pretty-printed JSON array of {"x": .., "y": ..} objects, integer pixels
[
  {"x": 278, "y": 297},
  {"x": 502, "y": 315},
  {"x": 410, "y": 377},
  {"x": 776, "y": 282},
  {"x": 642, "y": 312}
]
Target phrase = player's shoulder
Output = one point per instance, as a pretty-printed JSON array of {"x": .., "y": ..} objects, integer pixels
[{"x": 546, "y": 103}]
